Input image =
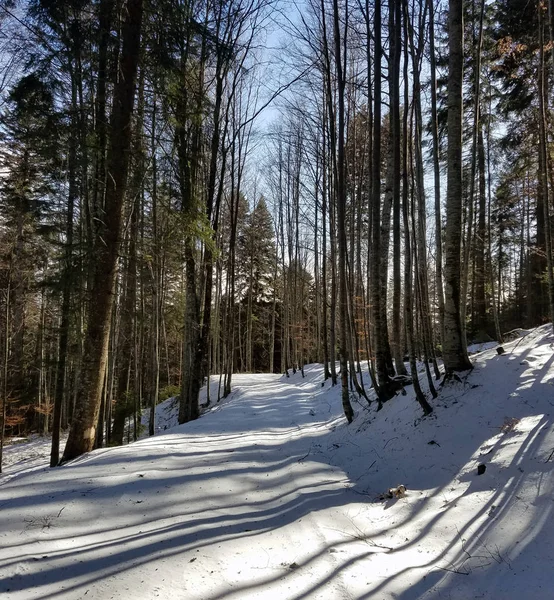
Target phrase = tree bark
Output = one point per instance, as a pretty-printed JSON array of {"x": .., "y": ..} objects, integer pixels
[
  {"x": 454, "y": 353},
  {"x": 381, "y": 346},
  {"x": 341, "y": 216},
  {"x": 436, "y": 171},
  {"x": 544, "y": 164},
  {"x": 66, "y": 284},
  {"x": 395, "y": 20}
]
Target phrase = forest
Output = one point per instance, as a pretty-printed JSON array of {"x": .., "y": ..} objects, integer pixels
[{"x": 191, "y": 189}]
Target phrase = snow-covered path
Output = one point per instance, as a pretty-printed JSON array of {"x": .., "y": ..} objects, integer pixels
[
  {"x": 220, "y": 512},
  {"x": 270, "y": 495}
]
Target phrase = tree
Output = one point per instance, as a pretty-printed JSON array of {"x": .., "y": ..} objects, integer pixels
[
  {"x": 256, "y": 261},
  {"x": 340, "y": 67},
  {"x": 31, "y": 166},
  {"x": 518, "y": 67},
  {"x": 82, "y": 433},
  {"x": 454, "y": 352}
]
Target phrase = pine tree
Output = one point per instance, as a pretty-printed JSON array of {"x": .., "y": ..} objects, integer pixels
[
  {"x": 31, "y": 165},
  {"x": 82, "y": 434},
  {"x": 257, "y": 259}
]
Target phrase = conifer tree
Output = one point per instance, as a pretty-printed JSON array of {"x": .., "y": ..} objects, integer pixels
[{"x": 82, "y": 434}]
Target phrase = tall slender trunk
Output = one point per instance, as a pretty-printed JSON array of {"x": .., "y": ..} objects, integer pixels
[
  {"x": 382, "y": 352},
  {"x": 83, "y": 428},
  {"x": 317, "y": 273},
  {"x": 127, "y": 347},
  {"x": 324, "y": 262},
  {"x": 408, "y": 309},
  {"x": 67, "y": 284},
  {"x": 273, "y": 314},
  {"x": 395, "y": 28},
  {"x": 471, "y": 201},
  {"x": 155, "y": 287},
  {"x": 544, "y": 164},
  {"x": 341, "y": 215},
  {"x": 481, "y": 321},
  {"x": 454, "y": 351},
  {"x": 436, "y": 170},
  {"x": 5, "y": 361},
  {"x": 92, "y": 210},
  {"x": 420, "y": 227},
  {"x": 491, "y": 275}
]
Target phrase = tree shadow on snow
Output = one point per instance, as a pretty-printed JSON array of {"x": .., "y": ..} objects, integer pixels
[{"x": 83, "y": 554}]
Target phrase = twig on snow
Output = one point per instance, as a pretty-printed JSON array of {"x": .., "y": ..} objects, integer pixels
[
  {"x": 457, "y": 571},
  {"x": 366, "y": 471},
  {"x": 394, "y": 438},
  {"x": 302, "y": 458}
]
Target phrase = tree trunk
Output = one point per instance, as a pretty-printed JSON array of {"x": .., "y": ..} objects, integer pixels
[
  {"x": 341, "y": 217},
  {"x": 471, "y": 201},
  {"x": 67, "y": 284},
  {"x": 436, "y": 171},
  {"x": 454, "y": 353},
  {"x": 5, "y": 361},
  {"x": 395, "y": 28},
  {"x": 544, "y": 164},
  {"x": 481, "y": 328},
  {"x": 382, "y": 352},
  {"x": 83, "y": 428},
  {"x": 155, "y": 287},
  {"x": 409, "y": 312}
]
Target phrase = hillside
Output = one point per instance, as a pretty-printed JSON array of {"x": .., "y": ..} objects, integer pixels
[{"x": 272, "y": 495}]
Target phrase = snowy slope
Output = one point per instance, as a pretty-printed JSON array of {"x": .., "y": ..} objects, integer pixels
[{"x": 272, "y": 495}]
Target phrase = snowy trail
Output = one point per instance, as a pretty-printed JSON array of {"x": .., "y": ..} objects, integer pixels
[
  {"x": 189, "y": 514},
  {"x": 270, "y": 495}
]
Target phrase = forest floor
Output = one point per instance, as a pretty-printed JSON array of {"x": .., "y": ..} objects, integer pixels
[{"x": 271, "y": 495}]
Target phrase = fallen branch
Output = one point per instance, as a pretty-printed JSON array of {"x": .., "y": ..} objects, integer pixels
[
  {"x": 366, "y": 471},
  {"x": 457, "y": 571},
  {"x": 305, "y": 456},
  {"x": 394, "y": 438}
]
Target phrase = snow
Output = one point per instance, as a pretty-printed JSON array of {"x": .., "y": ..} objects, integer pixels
[
  {"x": 26, "y": 454},
  {"x": 167, "y": 412},
  {"x": 480, "y": 347},
  {"x": 271, "y": 494}
]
